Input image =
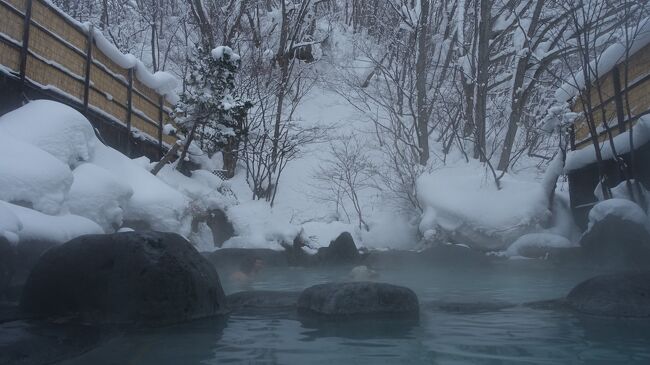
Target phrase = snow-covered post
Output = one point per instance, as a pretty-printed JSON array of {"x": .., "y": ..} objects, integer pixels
[
  {"x": 88, "y": 66},
  {"x": 129, "y": 106},
  {"x": 24, "y": 50}
]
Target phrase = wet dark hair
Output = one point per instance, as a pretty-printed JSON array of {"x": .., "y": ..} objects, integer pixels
[{"x": 248, "y": 264}]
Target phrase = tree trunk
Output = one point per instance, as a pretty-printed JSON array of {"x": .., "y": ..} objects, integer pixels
[
  {"x": 421, "y": 72},
  {"x": 481, "y": 85}
]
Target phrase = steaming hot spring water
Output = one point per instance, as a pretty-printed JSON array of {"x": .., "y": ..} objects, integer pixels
[{"x": 467, "y": 315}]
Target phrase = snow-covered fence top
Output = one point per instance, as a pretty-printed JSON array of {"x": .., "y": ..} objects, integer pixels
[
  {"x": 620, "y": 96},
  {"x": 42, "y": 46}
]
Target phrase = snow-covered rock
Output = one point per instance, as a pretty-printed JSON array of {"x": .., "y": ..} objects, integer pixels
[
  {"x": 621, "y": 208},
  {"x": 202, "y": 188},
  {"x": 463, "y": 201},
  {"x": 154, "y": 202},
  {"x": 50, "y": 228},
  {"x": 31, "y": 175},
  {"x": 10, "y": 225},
  {"x": 617, "y": 234},
  {"x": 536, "y": 245},
  {"x": 98, "y": 195},
  {"x": 53, "y": 127}
]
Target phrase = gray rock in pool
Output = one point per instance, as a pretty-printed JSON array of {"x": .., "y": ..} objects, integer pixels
[
  {"x": 147, "y": 278},
  {"x": 617, "y": 242},
  {"x": 364, "y": 299},
  {"x": 616, "y": 295}
]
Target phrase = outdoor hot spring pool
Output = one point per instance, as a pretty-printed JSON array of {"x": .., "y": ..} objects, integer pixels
[{"x": 493, "y": 333}]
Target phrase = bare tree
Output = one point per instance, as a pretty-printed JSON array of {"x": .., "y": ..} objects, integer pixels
[{"x": 346, "y": 174}]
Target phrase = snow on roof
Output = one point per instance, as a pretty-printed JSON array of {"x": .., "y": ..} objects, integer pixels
[
  {"x": 162, "y": 82},
  {"x": 587, "y": 155},
  {"x": 604, "y": 63}
]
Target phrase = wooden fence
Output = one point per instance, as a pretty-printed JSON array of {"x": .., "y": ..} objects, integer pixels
[
  {"x": 42, "y": 47},
  {"x": 616, "y": 95}
]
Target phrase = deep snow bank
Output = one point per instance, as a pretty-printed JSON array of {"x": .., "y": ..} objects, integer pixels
[
  {"x": 53, "y": 164},
  {"x": 462, "y": 203},
  {"x": 53, "y": 127}
]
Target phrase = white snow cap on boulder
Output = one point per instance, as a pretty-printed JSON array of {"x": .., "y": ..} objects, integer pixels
[
  {"x": 53, "y": 127},
  {"x": 10, "y": 225},
  {"x": 154, "y": 202},
  {"x": 533, "y": 244},
  {"x": 29, "y": 174},
  {"x": 98, "y": 195},
  {"x": 621, "y": 208},
  {"x": 50, "y": 228}
]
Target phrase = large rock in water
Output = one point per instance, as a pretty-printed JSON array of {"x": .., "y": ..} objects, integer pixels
[
  {"x": 617, "y": 241},
  {"x": 615, "y": 295},
  {"x": 147, "y": 278},
  {"x": 362, "y": 299},
  {"x": 618, "y": 235},
  {"x": 340, "y": 251},
  {"x": 7, "y": 266}
]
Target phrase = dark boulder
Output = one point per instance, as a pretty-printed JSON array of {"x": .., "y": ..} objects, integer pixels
[
  {"x": 359, "y": 299},
  {"x": 617, "y": 242},
  {"x": 147, "y": 278},
  {"x": 7, "y": 266},
  {"x": 615, "y": 295},
  {"x": 222, "y": 229},
  {"x": 340, "y": 251}
]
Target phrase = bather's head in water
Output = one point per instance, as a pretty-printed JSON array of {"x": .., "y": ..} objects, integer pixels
[{"x": 248, "y": 269}]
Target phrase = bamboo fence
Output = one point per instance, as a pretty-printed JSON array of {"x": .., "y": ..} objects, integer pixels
[
  {"x": 41, "y": 46},
  {"x": 616, "y": 94}
]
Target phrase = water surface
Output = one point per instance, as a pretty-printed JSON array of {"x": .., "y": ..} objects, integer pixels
[{"x": 512, "y": 335}]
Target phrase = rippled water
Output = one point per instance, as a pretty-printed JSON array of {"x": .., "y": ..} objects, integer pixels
[{"x": 514, "y": 335}]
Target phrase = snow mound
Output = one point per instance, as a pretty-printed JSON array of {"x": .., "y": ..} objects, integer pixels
[
  {"x": 463, "y": 201},
  {"x": 53, "y": 127},
  {"x": 154, "y": 202},
  {"x": 202, "y": 188},
  {"x": 50, "y": 228},
  {"x": 621, "y": 208},
  {"x": 257, "y": 226},
  {"x": 29, "y": 174},
  {"x": 10, "y": 225},
  {"x": 98, "y": 195},
  {"x": 533, "y": 245}
]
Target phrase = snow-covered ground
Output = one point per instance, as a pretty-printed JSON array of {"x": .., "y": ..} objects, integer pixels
[{"x": 59, "y": 181}]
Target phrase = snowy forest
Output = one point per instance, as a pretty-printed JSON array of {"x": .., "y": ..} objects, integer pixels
[
  {"x": 432, "y": 88},
  {"x": 488, "y": 154}
]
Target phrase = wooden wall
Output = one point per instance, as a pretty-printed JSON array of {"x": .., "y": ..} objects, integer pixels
[
  {"x": 42, "y": 47},
  {"x": 610, "y": 104}
]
